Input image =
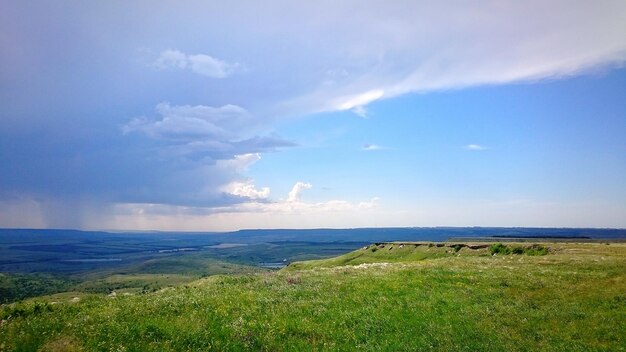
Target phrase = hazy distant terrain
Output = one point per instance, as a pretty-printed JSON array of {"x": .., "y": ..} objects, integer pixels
[
  {"x": 71, "y": 251},
  {"x": 39, "y": 262}
]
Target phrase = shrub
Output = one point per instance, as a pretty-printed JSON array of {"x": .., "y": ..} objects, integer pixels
[
  {"x": 536, "y": 249},
  {"x": 499, "y": 248},
  {"x": 518, "y": 250}
]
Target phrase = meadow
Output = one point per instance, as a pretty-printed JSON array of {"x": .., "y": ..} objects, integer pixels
[{"x": 384, "y": 296}]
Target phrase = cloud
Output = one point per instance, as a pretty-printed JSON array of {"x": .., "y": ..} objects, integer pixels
[
  {"x": 357, "y": 102},
  {"x": 171, "y": 58},
  {"x": 242, "y": 162},
  {"x": 258, "y": 202},
  {"x": 185, "y": 156},
  {"x": 247, "y": 189},
  {"x": 371, "y": 147},
  {"x": 65, "y": 97},
  {"x": 360, "y": 99},
  {"x": 370, "y": 204},
  {"x": 209, "y": 149},
  {"x": 292, "y": 206},
  {"x": 294, "y": 194},
  {"x": 360, "y": 111},
  {"x": 475, "y": 147},
  {"x": 202, "y": 64},
  {"x": 205, "y": 132},
  {"x": 187, "y": 122},
  {"x": 420, "y": 47},
  {"x": 343, "y": 214}
]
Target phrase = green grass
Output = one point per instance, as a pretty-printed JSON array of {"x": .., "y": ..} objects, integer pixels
[
  {"x": 394, "y": 252},
  {"x": 573, "y": 299},
  {"x": 534, "y": 249},
  {"x": 133, "y": 283}
]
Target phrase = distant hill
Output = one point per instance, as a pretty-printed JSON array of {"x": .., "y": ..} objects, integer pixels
[{"x": 319, "y": 235}]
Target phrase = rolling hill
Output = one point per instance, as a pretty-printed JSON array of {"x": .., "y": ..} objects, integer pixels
[{"x": 385, "y": 296}]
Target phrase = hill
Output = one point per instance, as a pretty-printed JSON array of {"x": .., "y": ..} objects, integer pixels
[
  {"x": 414, "y": 296},
  {"x": 394, "y": 252}
]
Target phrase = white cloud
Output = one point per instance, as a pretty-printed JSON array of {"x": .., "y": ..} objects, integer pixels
[
  {"x": 294, "y": 194},
  {"x": 241, "y": 162},
  {"x": 418, "y": 47},
  {"x": 360, "y": 111},
  {"x": 294, "y": 205},
  {"x": 357, "y": 101},
  {"x": 248, "y": 190},
  {"x": 209, "y": 66},
  {"x": 200, "y": 63},
  {"x": 186, "y": 122},
  {"x": 171, "y": 58},
  {"x": 475, "y": 147},
  {"x": 370, "y": 147},
  {"x": 369, "y": 205}
]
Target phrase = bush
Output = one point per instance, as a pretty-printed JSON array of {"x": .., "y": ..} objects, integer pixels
[
  {"x": 518, "y": 250},
  {"x": 499, "y": 248},
  {"x": 535, "y": 249}
]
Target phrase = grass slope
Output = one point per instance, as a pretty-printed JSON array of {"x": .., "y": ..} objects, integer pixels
[
  {"x": 573, "y": 299},
  {"x": 394, "y": 252}
]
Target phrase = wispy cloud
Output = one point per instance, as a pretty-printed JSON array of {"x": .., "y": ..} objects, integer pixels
[
  {"x": 202, "y": 64},
  {"x": 371, "y": 147},
  {"x": 359, "y": 100},
  {"x": 475, "y": 147},
  {"x": 360, "y": 111},
  {"x": 487, "y": 44}
]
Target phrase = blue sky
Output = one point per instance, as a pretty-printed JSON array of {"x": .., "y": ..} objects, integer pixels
[{"x": 208, "y": 116}]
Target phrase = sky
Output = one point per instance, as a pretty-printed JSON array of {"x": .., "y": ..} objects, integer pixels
[{"x": 218, "y": 116}]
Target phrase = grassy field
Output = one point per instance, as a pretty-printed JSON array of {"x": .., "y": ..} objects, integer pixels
[
  {"x": 394, "y": 252},
  {"x": 410, "y": 297}
]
